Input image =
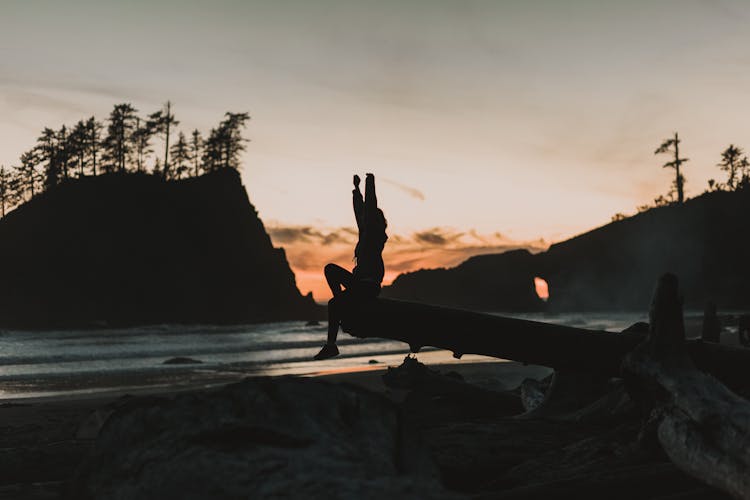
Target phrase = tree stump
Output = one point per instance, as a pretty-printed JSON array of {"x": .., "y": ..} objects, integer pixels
[{"x": 701, "y": 425}]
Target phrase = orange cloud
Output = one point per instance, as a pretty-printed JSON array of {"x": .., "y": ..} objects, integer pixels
[{"x": 309, "y": 249}]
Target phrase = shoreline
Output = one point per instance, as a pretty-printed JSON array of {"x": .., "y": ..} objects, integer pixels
[{"x": 354, "y": 373}]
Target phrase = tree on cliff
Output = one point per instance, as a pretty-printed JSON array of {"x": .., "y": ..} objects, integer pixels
[
  {"x": 672, "y": 146},
  {"x": 118, "y": 147},
  {"x": 225, "y": 143},
  {"x": 141, "y": 139},
  {"x": 232, "y": 141},
  {"x": 64, "y": 151},
  {"x": 196, "y": 146},
  {"x": 15, "y": 188},
  {"x": 73, "y": 151},
  {"x": 27, "y": 174},
  {"x": 46, "y": 151},
  {"x": 5, "y": 189},
  {"x": 744, "y": 172},
  {"x": 731, "y": 162},
  {"x": 180, "y": 157},
  {"x": 94, "y": 129},
  {"x": 212, "y": 152},
  {"x": 78, "y": 145},
  {"x": 161, "y": 123}
]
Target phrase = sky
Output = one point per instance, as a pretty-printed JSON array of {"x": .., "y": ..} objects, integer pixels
[{"x": 488, "y": 124}]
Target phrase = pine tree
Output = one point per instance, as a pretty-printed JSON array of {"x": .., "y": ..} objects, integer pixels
[
  {"x": 180, "y": 157},
  {"x": 196, "y": 145},
  {"x": 63, "y": 151},
  {"x": 28, "y": 177},
  {"x": 233, "y": 144},
  {"x": 94, "y": 129},
  {"x": 78, "y": 145},
  {"x": 672, "y": 145},
  {"x": 731, "y": 162},
  {"x": 4, "y": 189},
  {"x": 225, "y": 144},
  {"x": 212, "y": 148},
  {"x": 46, "y": 151},
  {"x": 142, "y": 143},
  {"x": 15, "y": 188},
  {"x": 161, "y": 122},
  {"x": 118, "y": 147}
]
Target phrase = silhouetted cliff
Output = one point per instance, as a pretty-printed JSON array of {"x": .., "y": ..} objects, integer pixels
[
  {"x": 483, "y": 282},
  {"x": 130, "y": 248},
  {"x": 705, "y": 242}
]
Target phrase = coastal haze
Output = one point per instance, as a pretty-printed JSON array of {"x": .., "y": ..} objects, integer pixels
[{"x": 490, "y": 125}]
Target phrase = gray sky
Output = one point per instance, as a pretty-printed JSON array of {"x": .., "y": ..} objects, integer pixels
[{"x": 528, "y": 118}]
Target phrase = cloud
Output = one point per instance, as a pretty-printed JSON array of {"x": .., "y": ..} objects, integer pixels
[
  {"x": 411, "y": 191},
  {"x": 286, "y": 235},
  {"x": 437, "y": 236},
  {"x": 310, "y": 248}
]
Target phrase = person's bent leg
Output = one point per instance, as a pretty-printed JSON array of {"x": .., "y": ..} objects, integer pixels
[
  {"x": 337, "y": 276},
  {"x": 333, "y": 321},
  {"x": 330, "y": 350}
]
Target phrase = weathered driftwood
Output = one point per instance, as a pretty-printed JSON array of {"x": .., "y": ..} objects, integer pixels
[
  {"x": 466, "y": 332},
  {"x": 568, "y": 392},
  {"x": 560, "y": 347},
  {"x": 702, "y": 426}
]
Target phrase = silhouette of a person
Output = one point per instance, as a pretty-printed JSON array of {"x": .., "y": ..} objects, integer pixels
[{"x": 364, "y": 281}]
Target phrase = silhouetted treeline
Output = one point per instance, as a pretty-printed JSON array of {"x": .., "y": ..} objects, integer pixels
[
  {"x": 734, "y": 162},
  {"x": 123, "y": 143}
]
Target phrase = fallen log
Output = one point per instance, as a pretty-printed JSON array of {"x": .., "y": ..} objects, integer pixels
[
  {"x": 467, "y": 332},
  {"x": 702, "y": 426},
  {"x": 560, "y": 347}
]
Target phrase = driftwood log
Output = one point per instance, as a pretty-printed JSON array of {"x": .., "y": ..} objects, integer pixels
[
  {"x": 563, "y": 348},
  {"x": 702, "y": 425}
]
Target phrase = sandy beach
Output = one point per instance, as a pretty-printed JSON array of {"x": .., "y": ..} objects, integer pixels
[{"x": 44, "y": 439}]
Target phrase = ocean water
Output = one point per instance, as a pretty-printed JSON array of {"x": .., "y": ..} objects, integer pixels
[{"x": 51, "y": 363}]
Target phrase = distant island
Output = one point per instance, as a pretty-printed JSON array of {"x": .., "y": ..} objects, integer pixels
[
  {"x": 100, "y": 230},
  {"x": 704, "y": 241},
  {"x": 134, "y": 248}
]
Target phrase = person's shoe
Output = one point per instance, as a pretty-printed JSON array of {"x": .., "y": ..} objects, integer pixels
[{"x": 328, "y": 351}]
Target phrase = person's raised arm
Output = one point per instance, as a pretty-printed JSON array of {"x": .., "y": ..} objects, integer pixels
[
  {"x": 359, "y": 208},
  {"x": 371, "y": 199}
]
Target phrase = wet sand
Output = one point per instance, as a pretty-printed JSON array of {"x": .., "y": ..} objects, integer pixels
[{"x": 42, "y": 440}]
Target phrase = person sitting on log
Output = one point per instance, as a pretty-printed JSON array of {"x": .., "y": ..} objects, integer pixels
[{"x": 363, "y": 283}]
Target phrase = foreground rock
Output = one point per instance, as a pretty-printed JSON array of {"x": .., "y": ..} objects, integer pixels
[
  {"x": 255, "y": 439},
  {"x": 702, "y": 425}
]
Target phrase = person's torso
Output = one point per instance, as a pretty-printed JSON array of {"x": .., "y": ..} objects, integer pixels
[{"x": 369, "y": 253}]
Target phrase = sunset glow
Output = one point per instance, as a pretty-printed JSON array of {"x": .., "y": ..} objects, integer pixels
[
  {"x": 542, "y": 290},
  {"x": 498, "y": 118}
]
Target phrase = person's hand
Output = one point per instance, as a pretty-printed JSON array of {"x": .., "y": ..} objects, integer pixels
[{"x": 356, "y": 180}]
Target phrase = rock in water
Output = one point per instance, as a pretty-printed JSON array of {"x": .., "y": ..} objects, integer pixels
[
  {"x": 181, "y": 360},
  {"x": 258, "y": 438}
]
